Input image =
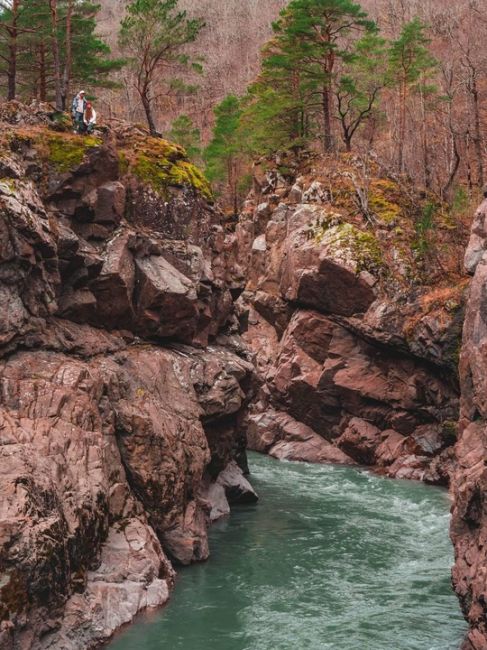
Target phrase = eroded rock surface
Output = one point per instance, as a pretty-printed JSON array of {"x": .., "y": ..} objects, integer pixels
[
  {"x": 122, "y": 381},
  {"x": 469, "y": 485},
  {"x": 355, "y": 344}
]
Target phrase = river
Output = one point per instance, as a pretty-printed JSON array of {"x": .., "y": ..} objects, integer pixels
[{"x": 330, "y": 558}]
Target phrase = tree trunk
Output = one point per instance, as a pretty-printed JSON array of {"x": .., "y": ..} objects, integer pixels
[
  {"x": 55, "y": 55},
  {"x": 42, "y": 72},
  {"x": 235, "y": 189},
  {"x": 327, "y": 134},
  {"x": 12, "y": 53},
  {"x": 12, "y": 69},
  {"x": 146, "y": 103},
  {"x": 424, "y": 138},
  {"x": 328, "y": 66},
  {"x": 468, "y": 163},
  {"x": 477, "y": 128},
  {"x": 69, "y": 57},
  {"x": 453, "y": 169},
  {"x": 402, "y": 126}
]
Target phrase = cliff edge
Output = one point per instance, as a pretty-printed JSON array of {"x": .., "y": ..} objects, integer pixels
[{"x": 122, "y": 378}]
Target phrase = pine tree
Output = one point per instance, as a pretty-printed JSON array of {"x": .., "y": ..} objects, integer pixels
[
  {"x": 154, "y": 34},
  {"x": 184, "y": 133},
  {"x": 410, "y": 64},
  {"x": 224, "y": 155},
  {"x": 358, "y": 89},
  {"x": 274, "y": 115},
  {"x": 56, "y": 46},
  {"x": 294, "y": 98},
  {"x": 314, "y": 36},
  {"x": 10, "y": 31},
  {"x": 92, "y": 65}
]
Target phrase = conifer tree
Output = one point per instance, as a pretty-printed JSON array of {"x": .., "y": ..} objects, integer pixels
[
  {"x": 56, "y": 46},
  {"x": 184, "y": 133},
  {"x": 154, "y": 34},
  {"x": 294, "y": 99},
  {"x": 410, "y": 64},
  {"x": 313, "y": 35},
  {"x": 275, "y": 108},
  {"x": 357, "y": 90},
  {"x": 224, "y": 155}
]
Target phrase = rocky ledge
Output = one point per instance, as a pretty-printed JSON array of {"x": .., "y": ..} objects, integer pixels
[
  {"x": 122, "y": 378},
  {"x": 353, "y": 308}
]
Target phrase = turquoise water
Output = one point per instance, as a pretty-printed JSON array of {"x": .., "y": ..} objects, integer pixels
[{"x": 331, "y": 557}]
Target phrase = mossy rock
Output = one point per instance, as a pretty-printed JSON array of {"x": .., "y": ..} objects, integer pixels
[
  {"x": 67, "y": 153},
  {"x": 162, "y": 165},
  {"x": 365, "y": 251},
  {"x": 384, "y": 201},
  {"x": 64, "y": 152}
]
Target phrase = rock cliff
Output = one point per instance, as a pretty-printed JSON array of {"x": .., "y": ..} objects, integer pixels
[
  {"x": 122, "y": 378},
  {"x": 469, "y": 512},
  {"x": 355, "y": 327},
  {"x": 145, "y": 342}
]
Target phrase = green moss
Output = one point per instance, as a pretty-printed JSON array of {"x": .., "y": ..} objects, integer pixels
[
  {"x": 449, "y": 430},
  {"x": 385, "y": 210},
  {"x": 366, "y": 249},
  {"x": 384, "y": 198},
  {"x": 161, "y": 165},
  {"x": 320, "y": 226},
  {"x": 65, "y": 153},
  {"x": 7, "y": 185},
  {"x": 363, "y": 246}
]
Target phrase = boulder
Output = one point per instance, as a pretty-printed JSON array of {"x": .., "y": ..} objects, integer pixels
[
  {"x": 217, "y": 501},
  {"x": 323, "y": 271},
  {"x": 360, "y": 440},
  {"x": 114, "y": 286},
  {"x": 237, "y": 488},
  {"x": 108, "y": 203},
  {"x": 165, "y": 300},
  {"x": 285, "y": 438}
]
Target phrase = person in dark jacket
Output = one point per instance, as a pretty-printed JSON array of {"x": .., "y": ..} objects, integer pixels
[{"x": 78, "y": 108}]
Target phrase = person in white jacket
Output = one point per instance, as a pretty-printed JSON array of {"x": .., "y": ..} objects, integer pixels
[{"x": 89, "y": 118}]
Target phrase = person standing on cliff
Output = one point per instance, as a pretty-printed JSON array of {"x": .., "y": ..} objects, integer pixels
[
  {"x": 78, "y": 108},
  {"x": 89, "y": 118}
]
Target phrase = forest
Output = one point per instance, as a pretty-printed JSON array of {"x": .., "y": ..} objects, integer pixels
[{"x": 401, "y": 81}]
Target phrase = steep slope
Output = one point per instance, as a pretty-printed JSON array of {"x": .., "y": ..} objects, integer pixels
[
  {"x": 469, "y": 513},
  {"x": 119, "y": 426},
  {"x": 354, "y": 321}
]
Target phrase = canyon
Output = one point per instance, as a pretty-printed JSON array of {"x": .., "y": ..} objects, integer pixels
[{"x": 147, "y": 341}]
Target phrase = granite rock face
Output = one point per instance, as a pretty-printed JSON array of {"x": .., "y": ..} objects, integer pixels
[
  {"x": 356, "y": 347},
  {"x": 122, "y": 381}
]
